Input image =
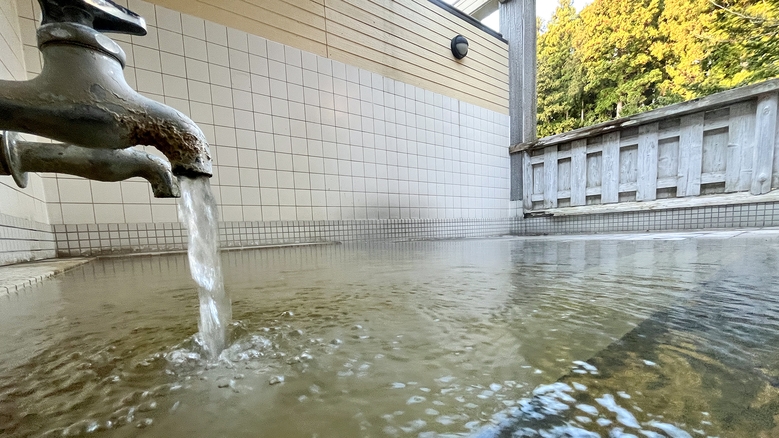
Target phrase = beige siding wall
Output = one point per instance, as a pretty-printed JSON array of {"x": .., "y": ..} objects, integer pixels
[
  {"x": 406, "y": 40},
  {"x": 297, "y": 23}
]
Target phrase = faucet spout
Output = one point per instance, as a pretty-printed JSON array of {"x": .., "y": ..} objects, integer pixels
[
  {"x": 81, "y": 98},
  {"x": 109, "y": 165}
]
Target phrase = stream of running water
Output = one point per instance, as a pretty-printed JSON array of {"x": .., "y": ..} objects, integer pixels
[{"x": 198, "y": 211}]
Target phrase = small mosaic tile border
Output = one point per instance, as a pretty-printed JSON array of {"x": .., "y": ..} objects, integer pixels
[
  {"x": 694, "y": 218},
  {"x": 24, "y": 240},
  {"x": 84, "y": 240}
]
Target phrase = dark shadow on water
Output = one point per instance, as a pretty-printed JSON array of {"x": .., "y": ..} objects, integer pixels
[{"x": 708, "y": 365}]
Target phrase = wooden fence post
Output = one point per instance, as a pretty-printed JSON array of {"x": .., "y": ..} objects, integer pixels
[
  {"x": 527, "y": 182},
  {"x": 550, "y": 177},
  {"x": 741, "y": 132},
  {"x": 610, "y": 169},
  {"x": 690, "y": 155},
  {"x": 765, "y": 136},
  {"x": 579, "y": 173},
  {"x": 646, "y": 180}
]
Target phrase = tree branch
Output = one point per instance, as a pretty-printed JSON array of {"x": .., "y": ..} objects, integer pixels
[{"x": 751, "y": 18}]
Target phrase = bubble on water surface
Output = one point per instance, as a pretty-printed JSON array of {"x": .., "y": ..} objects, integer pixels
[
  {"x": 415, "y": 399},
  {"x": 623, "y": 415}
]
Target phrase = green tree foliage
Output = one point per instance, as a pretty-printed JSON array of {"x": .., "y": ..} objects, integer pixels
[
  {"x": 745, "y": 40},
  {"x": 620, "y": 57},
  {"x": 560, "y": 76},
  {"x": 614, "y": 46},
  {"x": 684, "y": 49}
]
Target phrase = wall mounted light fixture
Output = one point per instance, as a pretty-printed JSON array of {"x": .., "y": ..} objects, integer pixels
[{"x": 459, "y": 47}]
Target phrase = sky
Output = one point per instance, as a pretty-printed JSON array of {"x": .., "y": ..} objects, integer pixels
[{"x": 544, "y": 9}]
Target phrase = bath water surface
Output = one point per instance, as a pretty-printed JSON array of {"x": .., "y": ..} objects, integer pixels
[{"x": 646, "y": 335}]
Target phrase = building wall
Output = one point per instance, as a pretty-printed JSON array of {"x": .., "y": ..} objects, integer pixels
[
  {"x": 404, "y": 40},
  {"x": 305, "y": 147},
  {"x": 25, "y": 233}
]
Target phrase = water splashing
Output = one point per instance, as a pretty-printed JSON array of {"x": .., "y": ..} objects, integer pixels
[{"x": 197, "y": 210}]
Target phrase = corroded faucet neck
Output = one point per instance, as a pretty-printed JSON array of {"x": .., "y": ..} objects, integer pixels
[
  {"x": 101, "y": 15},
  {"x": 79, "y": 35},
  {"x": 81, "y": 97}
]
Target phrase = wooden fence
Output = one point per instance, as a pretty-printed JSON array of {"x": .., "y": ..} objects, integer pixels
[{"x": 723, "y": 143}]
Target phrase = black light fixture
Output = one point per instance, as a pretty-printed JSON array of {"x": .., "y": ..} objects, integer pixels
[{"x": 459, "y": 47}]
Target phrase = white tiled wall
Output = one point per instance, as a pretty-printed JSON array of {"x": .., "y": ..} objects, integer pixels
[
  {"x": 23, "y": 217},
  {"x": 27, "y": 204},
  {"x": 296, "y": 136}
]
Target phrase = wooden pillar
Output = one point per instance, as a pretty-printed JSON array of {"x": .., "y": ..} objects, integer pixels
[
  {"x": 550, "y": 177},
  {"x": 609, "y": 187},
  {"x": 527, "y": 181},
  {"x": 690, "y": 155},
  {"x": 742, "y": 141},
  {"x": 647, "y": 162},
  {"x": 579, "y": 173},
  {"x": 518, "y": 26},
  {"x": 765, "y": 136}
]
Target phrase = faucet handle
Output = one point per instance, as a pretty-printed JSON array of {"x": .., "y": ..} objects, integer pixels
[{"x": 101, "y": 15}]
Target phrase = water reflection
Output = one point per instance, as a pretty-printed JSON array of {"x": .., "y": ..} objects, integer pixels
[{"x": 505, "y": 337}]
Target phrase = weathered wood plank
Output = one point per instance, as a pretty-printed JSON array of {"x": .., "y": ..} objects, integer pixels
[
  {"x": 681, "y": 109},
  {"x": 593, "y": 171},
  {"x": 527, "y": 182},
  {"x": 716, "y": 119},
  {"x": 715, "y": 146},
  {"x": 668, "y": 159},
  {"x": 550, "y": 177},
  {"x": 666, "y": 182},
  {"x": 690, "y": 155},
  {"x": 579, "y": 172},
  {"x": 563, "y": 176},
  {"x": 593, "y": 191},
  {"x": 517, "y": 19},
  {"x": 666, "y": 133},
  {"x": 647, "y": 162},
  {"x": 515, "y": 173},
  {"x": 594, "y": 149},
  {"x": 742, "y": 133},
  {"x": 538, "y": 180},
  {"x": 712, "y": 177},
  {"x": 765, "y": 136},
  {"x": 733, "y": 168},
  {"x": 610, "y": 169},
  {"x": 716, "y": 124},
  {"x": 628, "y": 164}
]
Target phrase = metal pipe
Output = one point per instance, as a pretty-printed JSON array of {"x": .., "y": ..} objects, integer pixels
[
  {"x": 82, "y": 98},
  {"x": 109, "y": 165}
]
